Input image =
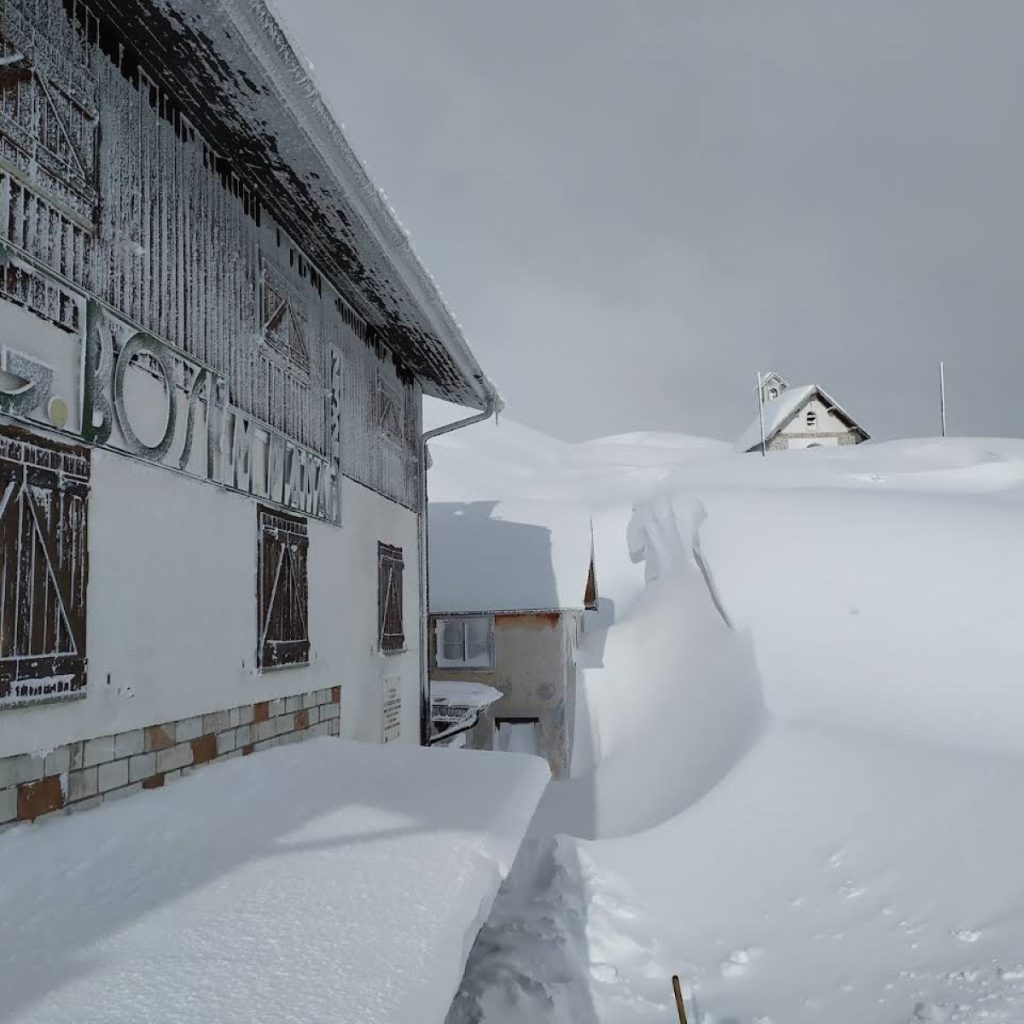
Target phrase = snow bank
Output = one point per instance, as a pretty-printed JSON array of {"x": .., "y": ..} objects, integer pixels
[
  {"x": 850, "y": 851},
  {"x": 894, "y": 613},
  {"x": 325, "y": 881},
  {"x": 830, "y": 877},
  {"x": 506, "y": 460},
  {"x": 669, "y": 697}
]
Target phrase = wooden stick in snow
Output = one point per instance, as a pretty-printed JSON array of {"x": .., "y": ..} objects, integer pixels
[{"x": 677, "y": 989}]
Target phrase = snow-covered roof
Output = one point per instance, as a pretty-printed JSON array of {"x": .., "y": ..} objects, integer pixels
[
  {"x": 320, "y": 882},
  {"x": 463, "y": 694},
  {"x": 490, "y": 556},
  {"x": 243, "y": 84},
  {"x": 780, "y": 411}
]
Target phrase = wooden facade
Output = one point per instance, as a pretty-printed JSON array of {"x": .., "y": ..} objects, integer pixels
[{"x": 110, "y": 194}]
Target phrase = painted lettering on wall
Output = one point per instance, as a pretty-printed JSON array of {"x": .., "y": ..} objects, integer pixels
[{"x": 145, "y": 397}]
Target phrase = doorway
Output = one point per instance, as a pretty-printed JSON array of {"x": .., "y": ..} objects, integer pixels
[{"x": 518, "y": 735}]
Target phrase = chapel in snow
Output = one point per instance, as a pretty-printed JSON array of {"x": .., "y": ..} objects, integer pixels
[
  {"x": 214, "y": 343},
  {"x": 799, "y": 417}
]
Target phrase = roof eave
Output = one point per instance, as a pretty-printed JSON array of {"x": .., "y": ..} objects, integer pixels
[
  {"x": 239, "y": 78},
  {"x": 301, "y": 93}
]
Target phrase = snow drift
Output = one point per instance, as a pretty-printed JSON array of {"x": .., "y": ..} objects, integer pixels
[
  {"x": 833, "y": 645},
  {"x": 669, "y": 699},
  {"x": 321, "y": 881}
]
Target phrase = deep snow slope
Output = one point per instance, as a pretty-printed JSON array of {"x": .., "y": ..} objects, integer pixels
[
  {"x": 830, "y": 877},
  {"x": 319, "y": 882},
  {"x": 803, "y": 727},
  {"x": 892, "y": 613}
]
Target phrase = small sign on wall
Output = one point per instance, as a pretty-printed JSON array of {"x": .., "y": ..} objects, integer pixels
[{"x": 392, "y": 708}]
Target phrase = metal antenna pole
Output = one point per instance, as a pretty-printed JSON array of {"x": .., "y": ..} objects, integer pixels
[
  {"x": 760, "y": 413},
  {"x": 942, "y": 395}
]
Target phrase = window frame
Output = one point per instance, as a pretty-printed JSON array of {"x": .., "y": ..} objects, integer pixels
[
  {"x": 465, "y": 663},
  {"x": 289, "y": 652}
]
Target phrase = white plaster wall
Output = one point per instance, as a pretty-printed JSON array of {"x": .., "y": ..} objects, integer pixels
[
  {"x": 797, "y": 434},
  {"x": 809, "y": 440},
  {"x": 172, "y": 610}
]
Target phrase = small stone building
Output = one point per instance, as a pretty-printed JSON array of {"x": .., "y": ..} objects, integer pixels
[
  {"x": 509, "y": 585},
  {"x": 799, "y": 417}
]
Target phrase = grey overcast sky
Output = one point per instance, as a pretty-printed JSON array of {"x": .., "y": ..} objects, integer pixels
[{"x": 634, "y": 205}]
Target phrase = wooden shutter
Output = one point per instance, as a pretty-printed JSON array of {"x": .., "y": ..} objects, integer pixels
[
  {"x": 389, "y": 598},
  {"x": 44, "y": 496},
  {"x": 283, "y": 589}
]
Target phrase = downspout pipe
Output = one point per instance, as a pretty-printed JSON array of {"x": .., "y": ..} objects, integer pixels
[
  {"x": 457, "y": 729},
  {"x": 492, "y": 408}
]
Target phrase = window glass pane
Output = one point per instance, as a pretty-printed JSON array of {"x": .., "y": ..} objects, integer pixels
[
  {"x": 451, "y": 633},
  {"x": 478, "y": 630},
  {"x": 478, "y": 641},
  {"x": 452, "y": 653},
  {"x": 451, "y": 646}
]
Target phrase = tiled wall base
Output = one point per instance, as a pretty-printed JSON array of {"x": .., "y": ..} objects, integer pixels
[{"x": 81, "y": 775}]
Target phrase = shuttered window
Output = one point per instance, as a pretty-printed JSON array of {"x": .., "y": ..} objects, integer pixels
[
  {"x": 44, "y": 493},
  {"x": 389, "y": 598},
  {"x": 283, "y": 589}
]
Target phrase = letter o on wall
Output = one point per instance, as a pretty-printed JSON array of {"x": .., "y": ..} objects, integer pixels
[{"x": 143, "y": 344}]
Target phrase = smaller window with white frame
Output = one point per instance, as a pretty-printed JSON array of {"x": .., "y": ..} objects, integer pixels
[{"x": 465, "y": 642}]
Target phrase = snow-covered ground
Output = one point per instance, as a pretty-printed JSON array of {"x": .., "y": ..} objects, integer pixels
[
  {"x": 322, "y": 881},
  {"x": 802, "y": 778}
]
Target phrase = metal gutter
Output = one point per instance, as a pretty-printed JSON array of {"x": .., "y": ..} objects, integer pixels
[{"x": 494, "y": 406}]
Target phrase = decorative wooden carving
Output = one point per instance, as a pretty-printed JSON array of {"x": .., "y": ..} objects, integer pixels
[
  {"x": 48, "y": 119},
  {"x": 283, "y": 589},
  {"x": 389, "y": 412},
  {"x": 44, "y": 495},
  {"x": 285, "y": 328}
]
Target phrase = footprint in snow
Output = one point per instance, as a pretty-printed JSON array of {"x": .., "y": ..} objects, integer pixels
[
  {"x": 738, "y": 962},
  {"x": 851, "y": 892},
  {"x": 604, "y": 972},
  {"x": 966, "y": 935},
  {"x": 929, "y": 1012},
  {"x": 837, "y": 858}
]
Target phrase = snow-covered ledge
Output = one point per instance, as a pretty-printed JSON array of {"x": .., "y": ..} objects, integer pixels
[{"x": 321, "y": 882}]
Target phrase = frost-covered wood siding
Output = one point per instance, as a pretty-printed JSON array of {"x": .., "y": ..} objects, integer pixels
[{"x": 105, "y": 181}]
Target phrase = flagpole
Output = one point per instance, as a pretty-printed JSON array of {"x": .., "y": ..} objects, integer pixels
[
  {"x": 942, "y": 395},
  {"x": 760, "y": 413}
]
